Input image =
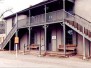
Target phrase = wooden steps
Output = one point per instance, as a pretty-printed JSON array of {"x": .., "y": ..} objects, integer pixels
[
  {"x": 59, "y": 54},
  {"x": 79, "y": 27}
]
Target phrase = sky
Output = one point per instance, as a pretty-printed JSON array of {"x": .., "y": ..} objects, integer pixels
[{"x": 16, "y": 5}]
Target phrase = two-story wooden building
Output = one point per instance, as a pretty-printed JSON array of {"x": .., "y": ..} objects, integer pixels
[{"x": 50, "y": 26}]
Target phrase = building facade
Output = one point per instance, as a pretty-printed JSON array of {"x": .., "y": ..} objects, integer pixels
[{"x": 53, "y": 26}]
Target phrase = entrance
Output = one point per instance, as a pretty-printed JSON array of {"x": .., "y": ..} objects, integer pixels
[
  {"x": 49, "y": 46},
  {"x": 69, "y": 34}
]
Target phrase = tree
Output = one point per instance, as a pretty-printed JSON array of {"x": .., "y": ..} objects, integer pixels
[
  {"x": 1, "y": 15},
  {"x": 6, "y": 10}
]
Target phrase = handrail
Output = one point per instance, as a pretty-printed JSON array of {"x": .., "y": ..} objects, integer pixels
[
  {"x": 82, "y": 17},
  {"x": 9, "y": 34},
  {"x": 80, "y": 20},
  {"x": 74, "y": 14}
]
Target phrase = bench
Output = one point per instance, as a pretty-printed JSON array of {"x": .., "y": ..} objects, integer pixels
[
  {"x": 33, "y": 46},
  {"x": 69, "y": 47}
]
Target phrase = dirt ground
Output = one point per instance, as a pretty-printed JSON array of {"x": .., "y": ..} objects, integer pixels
[{"x": 8, "y": 59}]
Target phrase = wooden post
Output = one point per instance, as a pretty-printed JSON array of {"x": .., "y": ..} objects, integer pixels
[
  {"x": 64, "y": 28},
  {"x": 40, "y": 45},
  {"x": 29, "y": 29},
  {"x": 16, "y": 33},
  {"x": 29, "y": 18},
  {"x": 45, "y": 28},
  {"x": 10, "y": 45},
  {"x": 84, "y": 46}
]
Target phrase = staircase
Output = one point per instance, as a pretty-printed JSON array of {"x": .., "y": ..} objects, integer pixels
[
  {"x": 8, "y": 37},
  {"x": 78, "y": 24}
]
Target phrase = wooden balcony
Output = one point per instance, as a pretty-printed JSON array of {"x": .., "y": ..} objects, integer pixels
[
  {"x": 23, "y": 23},
  {"x": 38, "y": 19},
  {"x": 51, "y": 17},
  {"x": 54, "y": 16}
]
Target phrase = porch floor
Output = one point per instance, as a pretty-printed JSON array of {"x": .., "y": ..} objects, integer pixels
[{"x": 47, "y": 53}]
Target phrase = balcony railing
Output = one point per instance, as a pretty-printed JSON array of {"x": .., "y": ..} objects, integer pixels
[
  {"x": 39, "y": 19},
  {"x": 8, "y": 37},
  {"x": 51, "y": 17},
  {"x": 79, "y": 20},
  {"x": 55, "y": 16},
  {"x": 23, "y": 23}
]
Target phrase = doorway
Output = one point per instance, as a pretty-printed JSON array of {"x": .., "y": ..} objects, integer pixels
[{"x": 69, "y": 35}]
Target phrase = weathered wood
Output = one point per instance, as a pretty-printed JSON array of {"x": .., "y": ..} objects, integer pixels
[
  {"x": 33, "y": 46},
  {"x": 69, "y": 47}
]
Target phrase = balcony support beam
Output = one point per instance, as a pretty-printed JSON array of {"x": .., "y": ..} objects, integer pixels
[
  {"x": 29, "y": 29},
  {"x": 45, "y": 28},
  {"x": 64, "y": 39},
  {"x": 16, "y": 45},
  {"x": 64, "y": 28},
  {"x": 45, "y": 31}
]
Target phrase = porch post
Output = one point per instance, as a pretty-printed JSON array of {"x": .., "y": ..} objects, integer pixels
[
  {"x": 16, "y": 32},
  {"x": 29, "y": 27},
  {"x": 64, "y": 39},
  {"x": 64, "y": 28},
  {"x": 16, "y": 25},
  {"x": 45, "y": 28},
  {"x": 84, "y": 46},
  {"x": 40, "y": 45},
  {"x": 29, "y": 18},
  {"x": 10, "y": 45}
]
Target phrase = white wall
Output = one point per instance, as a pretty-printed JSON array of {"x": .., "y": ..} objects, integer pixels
[
  {"x": 83, "y": 8},
  {"x": 8, "y": 26}
]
